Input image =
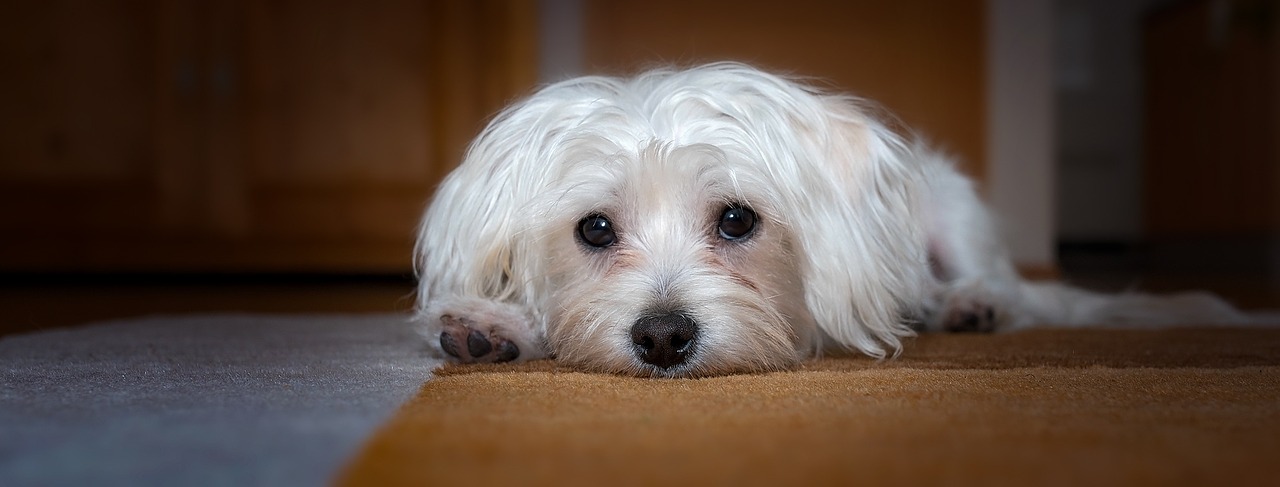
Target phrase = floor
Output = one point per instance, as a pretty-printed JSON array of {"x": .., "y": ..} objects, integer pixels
[
  {"x": 248, "y": 384},
  {"x": 223, "y": 399}
]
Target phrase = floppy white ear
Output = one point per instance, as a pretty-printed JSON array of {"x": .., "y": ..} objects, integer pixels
[
  {"x": 467, "y": 246},
  {"x": 478, "y": 239},
  {"x": 865, "y": 243},
  {"x": 850, "y": 190}
]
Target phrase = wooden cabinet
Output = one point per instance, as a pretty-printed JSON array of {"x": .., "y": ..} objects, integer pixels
[
  {"x": 208, "y": 135},
  {"x": 1212, "y": 169},
  {"x": 291, "y": 135}
]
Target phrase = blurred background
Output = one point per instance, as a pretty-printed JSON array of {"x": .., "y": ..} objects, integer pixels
[{"x": 173, "y": 156}]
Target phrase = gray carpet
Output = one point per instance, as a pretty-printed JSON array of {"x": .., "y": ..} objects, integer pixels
[{"x": 207, "y": 400}]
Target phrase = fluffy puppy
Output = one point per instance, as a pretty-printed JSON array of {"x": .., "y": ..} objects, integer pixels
[{"x": 715, "y": 220}]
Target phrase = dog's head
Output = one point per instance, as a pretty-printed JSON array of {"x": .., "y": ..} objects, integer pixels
[{"x": 685, "y": 223}]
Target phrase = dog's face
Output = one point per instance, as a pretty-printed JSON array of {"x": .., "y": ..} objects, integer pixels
[
  {"x": 682, "y": 223},
  {"x": 673, "y": 261}
]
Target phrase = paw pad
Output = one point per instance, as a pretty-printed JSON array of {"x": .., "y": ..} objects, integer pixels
[
  {"x": 974, "y": 319},
  {"x": 480, "y": 347}
]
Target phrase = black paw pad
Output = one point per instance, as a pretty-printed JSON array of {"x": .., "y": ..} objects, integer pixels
[
  {"x": 981, "y": 319},
  {"x": 466, "y": 341},
  {"x": 449, "y": 344},
  {"x": 478, "y": 344},
  {"x": 507, "y": 352}
]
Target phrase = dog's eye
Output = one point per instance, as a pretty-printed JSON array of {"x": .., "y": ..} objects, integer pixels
[
  {"x": 596, "y": 231},
  {"x": 737, "y": 222}
]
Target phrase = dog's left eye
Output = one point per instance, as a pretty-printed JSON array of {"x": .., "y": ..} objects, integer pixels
[
  {"x": 596, "y": 231},
  {"x": 737, "y": 222}
]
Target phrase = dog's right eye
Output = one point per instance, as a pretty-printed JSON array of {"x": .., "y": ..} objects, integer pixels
[
  {"x": 596, "y": 231},
  {"x": 737, "y": 222}
]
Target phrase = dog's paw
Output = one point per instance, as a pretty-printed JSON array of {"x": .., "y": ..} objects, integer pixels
[
  {"x": 472, "y": 342},
  {"x": 972, "y": 316},
  {"x": 472, "y": 330},
  {"x": 970, "y": 308}
]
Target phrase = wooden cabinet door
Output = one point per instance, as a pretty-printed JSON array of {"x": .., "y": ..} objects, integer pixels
[
  {"x": 276, "y": 135},
  {"x": 75, "y": 131},
  {"x": 1211, "y": 169}
]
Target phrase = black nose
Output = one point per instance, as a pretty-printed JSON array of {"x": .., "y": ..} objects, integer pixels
[{"x": 664, "y": 340}]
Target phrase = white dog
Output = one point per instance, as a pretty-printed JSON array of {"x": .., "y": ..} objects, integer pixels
[{"x": 715, "y": 220}]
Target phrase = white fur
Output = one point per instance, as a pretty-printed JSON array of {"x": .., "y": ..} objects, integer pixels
[{"x": 849, "y": 215}]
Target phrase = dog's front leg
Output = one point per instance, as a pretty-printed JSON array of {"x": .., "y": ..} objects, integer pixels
[
  {"x": 977, "y": 287},
  {"x": 478, "y": 330}
]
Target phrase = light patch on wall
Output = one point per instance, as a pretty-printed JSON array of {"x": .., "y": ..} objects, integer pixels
[
  {"x": 1074, "y": 51},
  {"x": 560, "y": 34}
]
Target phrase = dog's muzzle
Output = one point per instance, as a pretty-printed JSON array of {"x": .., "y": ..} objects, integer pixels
[{"x": 664, "y": 340}]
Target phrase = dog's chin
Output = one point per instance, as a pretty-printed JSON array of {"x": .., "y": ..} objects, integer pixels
[
  {"x": 696, "y": 369},
  {"x": 700, "y": 363},
  {"x": 691, "y": 369}
]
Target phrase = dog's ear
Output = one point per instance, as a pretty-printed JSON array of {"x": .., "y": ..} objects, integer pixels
[
  {"x": 849, "y": 191},
  {"x": 865, "y": 245},
  {"x": 481, "y": 235},
  {"x": 468, "y": 245}
]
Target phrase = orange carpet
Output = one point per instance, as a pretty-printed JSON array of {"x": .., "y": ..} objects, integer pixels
[{"x": 1044, "y": 407}]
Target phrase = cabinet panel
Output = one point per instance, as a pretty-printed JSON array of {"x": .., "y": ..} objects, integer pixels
[
  {"x": 1210, "y": 169},
  {"x": 208, "y": 135},
  {"x": 74, "y": 136},
  {"x": 76, "y": 91},
  {"x": 337, "y": 90}
]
